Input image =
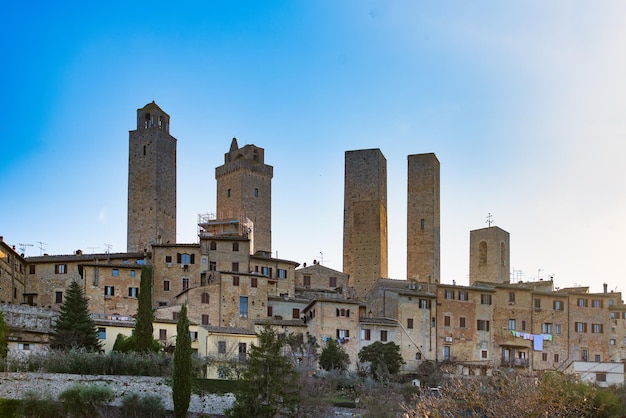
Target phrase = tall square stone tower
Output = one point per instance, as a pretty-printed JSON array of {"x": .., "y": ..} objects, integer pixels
[
  {"x": 151, "y": 180},
  {"x": 365, "y": 218},
  {"x": 244, "y": 188},
  {"x": 423, "y": 245},
  {"x": 490, "y": 256}
]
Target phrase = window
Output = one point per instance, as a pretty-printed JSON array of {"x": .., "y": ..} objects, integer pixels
[
  {"x": 235, "y": 280},
  {"x": 343, "y": 333},
  {"x": 483, "y": 354},
  {"x": 332, "y": 282},
  {"x": 557, "y": 328},
  {"x": 254, "y": 282},
  {"x": 31, "y": 269},
  {"x": 580, "y": 326},
  {"x": 115, "y": 273},
  {"x": 424, "y": 304},
  {"x": 58, "y": 297},
  {"x": 544, "y": 356},
  {"x": 109, "y": 291},
  {"x": 597, "y": 358},
  {"x": 243, "y": 306},
  {"x": 600, "y": 377},
  {"x": 270, "y": 311},
  {"x": 584, "y": 354},
  {"x": 235, "y": 267},
  {"x": 205, "y": 319},
  {"x": 228, "y": 193},
  {"x": 596, "y": 303},
  {"x": 612, "y": 341},
  {"x": 282, "y": 273},
  {"x": 512, "y": 297},
  {"x": 204, "y": 298},
  {"x": 366, "y": 334},
  {"x": 307, "y": 281},
  {"x": 175, "y": 316},
  {"x": 462, "y": 322},
  {"x": 485, "y": 299},
  {"x": 383, "y": 335},
  {"x": 256, "y": 192},
  {"x": 60, "y": 268},
  {"x": 295, "y": 313},
  {"x": 582, "y": 302},
  {"x": 242, "y": 351},
  {"x": 558, "y": 305},
  {"x": 235, "y": 246},
  {"x": 537, "y": 303},
  {"x": 512, "y": 324},
  {"x": 482, "y": 325},
  {"x": 422, "y": 224},
  {"x": 193, "y": 335},
  {"x": 133, "y": 292},
  {"x": 25, "y": 347},
  {"x": 449, "y": 294},
  {"x": 212, "y": 266},
  {"x": 523, "y": 325},
  {"x": 132, "y": 273},
  {"x": 546, "y": 328},
  {"x": 166, "y": 285},
  {"x": 482, "y": 253},
  {"x": 597, "y": 328},
  {"x": 463, "y": 295},
  {"x": 213, "y": 246},
  {"x": 447, "y": 352},
  {"x": 102, "y": 333},
  {"x": 185, "y": 283},
  {"x": 221, "y": 347},
  {"x": 162, "y": 334},
  {"x": 168, "y": 259},
  {"x": 556, "y": 358},
  {"x": 409, "y": 323},
  {"x": 446, "y": 321}
]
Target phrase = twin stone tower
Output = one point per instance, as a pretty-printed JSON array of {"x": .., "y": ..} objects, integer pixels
[{"x": 244, "y": 189}]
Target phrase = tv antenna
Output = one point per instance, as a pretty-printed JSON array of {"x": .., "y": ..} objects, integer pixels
[
  {"x": 108, "y": 247},
  {"x": 22, "y": 247},
  {"x": 41, "y": 247},
  {"x": 489, "y": 220}
]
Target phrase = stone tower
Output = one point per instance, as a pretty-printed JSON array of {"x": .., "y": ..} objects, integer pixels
[
  {"x": 423, "y": 246},
  {"x": 365, "y": 218},
  {"x": 244, "y": 188},
  {"x": 151, "y": 180},
  {"x": 490, "y": 256}
]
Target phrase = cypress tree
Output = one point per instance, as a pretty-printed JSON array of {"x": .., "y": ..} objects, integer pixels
[
  {"x": 4, "y": 345},
  {"x": 74, "y": 327},
  {"x": 145, "y": 316},
  {"x": 181, "y": 380}
]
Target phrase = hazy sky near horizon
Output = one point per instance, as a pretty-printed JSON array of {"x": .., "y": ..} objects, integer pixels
[{"x": 523, "y": 102}]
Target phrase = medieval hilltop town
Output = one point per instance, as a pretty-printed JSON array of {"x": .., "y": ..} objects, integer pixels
[{"x": 232, "y": 284}]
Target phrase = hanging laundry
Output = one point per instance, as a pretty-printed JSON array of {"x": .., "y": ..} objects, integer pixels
[{"x": 538, "y": 344}]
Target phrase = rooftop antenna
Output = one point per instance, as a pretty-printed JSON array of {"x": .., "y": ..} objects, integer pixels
[
  {"x": 41, "y": 247},
  {"x": 92, "y": 249},
  {"x": 22, "y": 247},
  {"x": 321, "y": 258},
  {"x": 108, "y": 247},
  {"x": 489, "y": 220}
]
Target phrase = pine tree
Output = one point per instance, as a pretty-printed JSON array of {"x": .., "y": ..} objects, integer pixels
[
  {"x": 334, "y": 357},
  {"x": 145, "y": 317},
  {"x": 269, "y": 385},
  {"x": 74, "y": 327},
  {"x": 181, "y": 382}
]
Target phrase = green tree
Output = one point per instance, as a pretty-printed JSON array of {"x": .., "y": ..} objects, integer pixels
[
  {"x": 334, "y": 357},
  {"x": 144, "y": 340},
  {"x": 181, "y": 382},
  {"x": 74, "y": 327},
  {"x": 385, "y": 359},
  {"x": 4, "y": 346},
  {"x": 270, "y": 384}
]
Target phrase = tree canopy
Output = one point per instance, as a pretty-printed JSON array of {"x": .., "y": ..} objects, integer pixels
[
  {"x": 334, "y": 357},
  {"x": 384, "y": 358},
  {"x": 74, "y": 327},
  {"x": 269, "y": 385}
]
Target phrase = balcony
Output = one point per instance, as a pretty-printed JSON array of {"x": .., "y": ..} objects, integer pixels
[{"x": 516, "y": 362}]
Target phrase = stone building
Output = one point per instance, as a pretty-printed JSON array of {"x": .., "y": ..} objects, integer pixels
[
  {"x": 12, "y": 274},
  {"x": 244, "y": 188},
  {"x": 151, "y": 180},
  {"x": 423, "y": 244},
  {"x": 490, "y": 255},
  {"x": 365, "y": 253}
]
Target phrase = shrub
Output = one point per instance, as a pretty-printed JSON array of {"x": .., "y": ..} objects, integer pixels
[
  {"x": 40, "y": 405},
  {"x": 84, "y": 401},
  {"x": 140, "y": 406}
]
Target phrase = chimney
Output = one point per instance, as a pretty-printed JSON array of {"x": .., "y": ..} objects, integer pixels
[{"x": 605, "y": 287}]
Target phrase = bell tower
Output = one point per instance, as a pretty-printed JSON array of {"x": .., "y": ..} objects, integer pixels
[{"x": 151, "y": 180}]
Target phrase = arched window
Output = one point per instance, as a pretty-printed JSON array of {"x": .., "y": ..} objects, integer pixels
[
  {"x": 213, "y": 246},
  {"x": 235, "y": 246},
  {"x": 205, "y": 297},
  {"x": 502, "y": 254},
  {"x": 482, "y": 253}
]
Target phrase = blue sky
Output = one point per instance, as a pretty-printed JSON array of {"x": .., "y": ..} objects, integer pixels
[{"x": 523, "y": 103}]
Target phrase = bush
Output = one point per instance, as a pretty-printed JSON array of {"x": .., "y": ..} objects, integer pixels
[
  {"x": 9, "y": 407},
  {"x": 84, "y": 401},
  {"x": 140, "y": 406},
  {"x": 40, "y": 405}
]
